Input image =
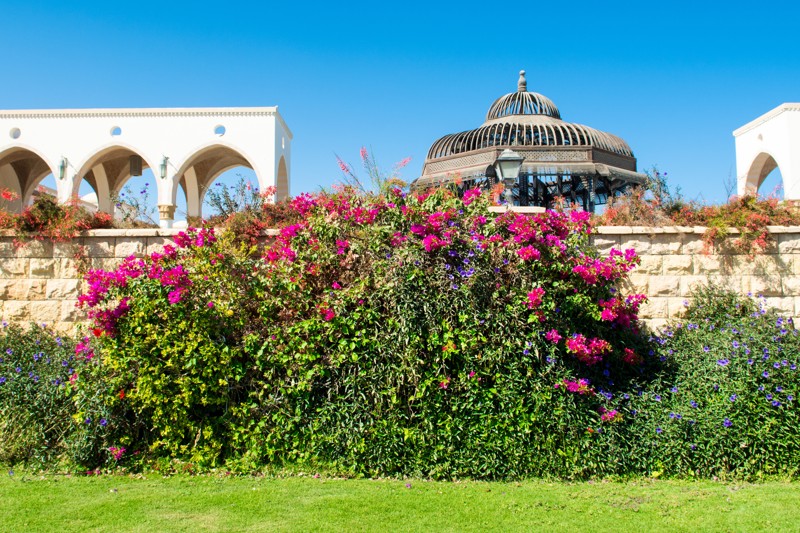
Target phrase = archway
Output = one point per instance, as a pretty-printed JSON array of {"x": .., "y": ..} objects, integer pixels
[
  {"x": 282, "y": 181},
  {"x": 121, "y": 182},
  {"x": 762, "y": 166},
  {"x": 218, "y": 166},
  {"x": 21, "y": 171}
]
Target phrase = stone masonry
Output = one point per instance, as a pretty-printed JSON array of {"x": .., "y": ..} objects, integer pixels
[{"x": 40, "y": 281}]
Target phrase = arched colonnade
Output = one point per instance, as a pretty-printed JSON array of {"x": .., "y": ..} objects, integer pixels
[{"x": 186, "y": 150}]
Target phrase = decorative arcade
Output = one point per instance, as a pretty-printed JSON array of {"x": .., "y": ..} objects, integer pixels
[
  {"x": 185, "y": 148},
  {"x": 539, "y": 157}
]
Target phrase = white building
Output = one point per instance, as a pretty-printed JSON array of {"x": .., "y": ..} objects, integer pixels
[
  {"x": 186, "y": 149},
  {"x": 771, "y": 141}
]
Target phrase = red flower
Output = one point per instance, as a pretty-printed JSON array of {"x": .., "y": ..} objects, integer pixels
[
  {"x": 97, "y": 332},
  {"x": 122, "y": 394}
]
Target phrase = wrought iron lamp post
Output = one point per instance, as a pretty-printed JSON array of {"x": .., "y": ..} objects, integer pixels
[{"x": 508, "y": 165}]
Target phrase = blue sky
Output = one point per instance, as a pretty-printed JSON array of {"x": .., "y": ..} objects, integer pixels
[{"x": 673, "y": 79}]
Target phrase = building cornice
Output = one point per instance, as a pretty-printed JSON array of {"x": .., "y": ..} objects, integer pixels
[
  {"x": 142, "y": 112},
  {"x": 766, "y": 116}
]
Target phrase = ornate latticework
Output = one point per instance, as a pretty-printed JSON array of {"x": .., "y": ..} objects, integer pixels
[{"x": 554, "y": 152}]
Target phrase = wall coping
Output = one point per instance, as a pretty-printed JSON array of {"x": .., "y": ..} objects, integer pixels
[
  {"x": 598, "y": 230},
  {"x": 146, "y": 232}
]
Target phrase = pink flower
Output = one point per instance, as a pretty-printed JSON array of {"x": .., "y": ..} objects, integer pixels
[
  {"x": 364, "y": 153},
  {"x": 210, "y": 305},
  {"x": 341, "y": 246},
  {"x": 553, "y": 336},
  {"x": 327, "y": 313},
  {"x": 117, "y": 452},
  {"x": 336, "y": 285},
  {"x": 432, "y": 242},
  {"x": 535, "y": 298},
  {"x": 529, "y": 252},
  {"x": 444, "y": 384},
  {"x": 471, "y": 195}
]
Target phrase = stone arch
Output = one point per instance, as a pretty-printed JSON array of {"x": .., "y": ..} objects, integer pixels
[
  {"x": 759, "y": 169},
  {"x": 107, "y": 170},
  {"x": 22, "y": 168},
  {"x": 201, "y": 168},
  {"x": 282, "y": 180}
]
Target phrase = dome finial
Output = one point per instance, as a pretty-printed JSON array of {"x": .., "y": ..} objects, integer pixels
[{"x": 522, "y": 84}]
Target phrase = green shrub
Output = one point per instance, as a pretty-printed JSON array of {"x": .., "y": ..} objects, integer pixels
[
  {"x": 51, "y": 404},
  {"x": 726, "y": 405}
]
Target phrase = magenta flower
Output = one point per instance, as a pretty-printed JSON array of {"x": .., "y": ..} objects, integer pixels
[{"x": 553, "y": 336}]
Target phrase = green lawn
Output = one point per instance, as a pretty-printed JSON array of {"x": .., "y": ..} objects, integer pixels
[{"x": 206, "y": 503}]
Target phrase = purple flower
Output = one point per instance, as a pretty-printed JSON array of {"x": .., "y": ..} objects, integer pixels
[
  {"x": 776, "y": 403},
  {"x": 673, "y": 390},
  {"x": 769, "y": 396},
  {"x": 706, "y": 349},
  {"x": 765, "y": 374},
  {"x": 789, "y": 397},
  {"x": 735, "y": 344},
  {"x": 659, "y": 430},
  {"x": 722, "y": 362},
  {"x": 727, "y": 423},
  {"x": 733, "y": 397},
  {"x": 657, "y": 398},
  {"x": 103, "y": 422},
  {"x": 693, "y": 404},
  {"x": 2, "y": 379}
]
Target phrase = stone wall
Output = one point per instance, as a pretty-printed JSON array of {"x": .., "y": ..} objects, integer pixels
[
  {"x": 675, "y": 259},
  {"x": 41, "y": 281}
]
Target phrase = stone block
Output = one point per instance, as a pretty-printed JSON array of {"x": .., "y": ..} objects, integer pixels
[
  {"x": 636, "y": 283},
  {"x": 707, "y": 264},
  {"x": 664, "y": 286},
  {"x": 676, "y": 307},
  {"x": 650, "y": 264},
  {"x": 784, "y": 306},
  {"x": 655, "y": 308},
  {"x": 42, "y": 268},
  {"x": 104, "y": 263},
  {"x": 13, "y": 267},
  {"x": 665, "y": 244},
  {"x": 656, "y": 325},
  {"x": 7, "y": 248},
  {"x": 640, "y": 243},
  {"x": 763, "y": 286},
  {"x": 604, "y": 243},
  {"x": 45, "y": 312},
  {"x": 16, "y": 311},
  {"x": 156, "y": 244},
  {"x": 99, "y": 247},
  {"x": 66, "y": 249},
  {"x": 791, "y": 285},
  {"x": 689, "y": 283},
  {"x": 788, "y": 243},
  {"x": 678, "y": 264},
  {"x": 128, "y": 246},
  {"x": 62, "y": 289},
  {"x": 34, "y": 248},
  {"x": 67, "y": 269},
  {"x": 70, "y": 312},
  {"x": 692, "y": 244}
]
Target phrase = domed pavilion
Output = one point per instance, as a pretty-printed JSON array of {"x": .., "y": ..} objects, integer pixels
[{"x": 558, "y": 159}]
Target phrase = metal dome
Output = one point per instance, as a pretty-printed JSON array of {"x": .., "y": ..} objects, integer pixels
[
  {"x": 523, "y": 119},
  {"x": 522, "y": 102}
]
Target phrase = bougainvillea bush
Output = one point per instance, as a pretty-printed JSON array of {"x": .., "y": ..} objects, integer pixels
[{"x": 390, "y": 334}]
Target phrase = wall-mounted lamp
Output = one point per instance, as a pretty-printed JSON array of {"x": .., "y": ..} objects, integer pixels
[
  {"x": 62, "y": 168},
  {"x": 164, "y": 167}
]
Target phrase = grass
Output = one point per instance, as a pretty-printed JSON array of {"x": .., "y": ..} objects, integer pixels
[{"x": 207, "y": 503}]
